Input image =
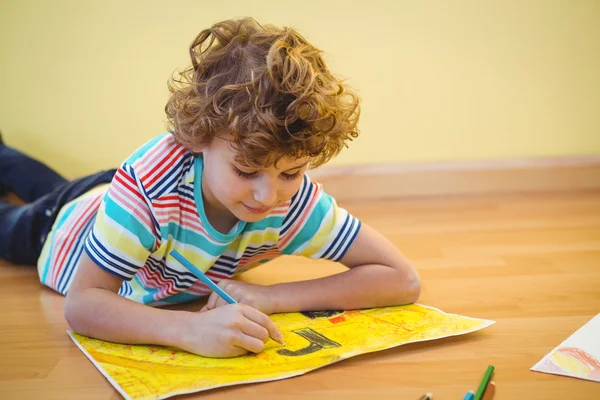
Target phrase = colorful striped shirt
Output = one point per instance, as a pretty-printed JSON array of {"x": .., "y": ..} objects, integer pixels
[{"x": 154, "y": 204}]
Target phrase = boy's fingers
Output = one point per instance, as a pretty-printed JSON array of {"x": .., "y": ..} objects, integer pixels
[
  {"x": 249, "y": 343},
  {"x": 215, "y": 301},
  {"x": 263, "y": 320},
  {"x": 210, "y": 304},
  {"x": 223, "y": 283},
  {"x": 237, "y": 351},
  {"x": 253, "y": 329},
  {"x": 221, "y": 302}
]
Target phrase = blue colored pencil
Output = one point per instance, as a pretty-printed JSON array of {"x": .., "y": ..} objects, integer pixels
[
  {"x": 469, "y": 396},
  {"x": 207, "y": 281},
  {"x": 200, "y": 275}
]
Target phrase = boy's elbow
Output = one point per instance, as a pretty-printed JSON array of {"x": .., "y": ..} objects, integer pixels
[
  {"x": 415, "y": 290},
  {"x": 72, "y": 312},
  {"x": 410, "y": 288}
]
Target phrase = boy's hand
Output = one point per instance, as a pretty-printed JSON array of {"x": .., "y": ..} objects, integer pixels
[
  {"x": 256, "y": 296},
  {"x": 228, "y": 331}
]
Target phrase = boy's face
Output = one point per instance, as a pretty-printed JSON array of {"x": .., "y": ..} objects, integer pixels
[{"x": 248, "y": 194}]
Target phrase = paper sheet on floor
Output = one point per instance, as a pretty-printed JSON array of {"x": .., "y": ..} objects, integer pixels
[
  {"x": 578, "y": 356},
  {"x": 313, "y": 340}
]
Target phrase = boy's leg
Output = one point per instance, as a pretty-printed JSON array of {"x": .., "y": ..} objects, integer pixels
[
  {"x": 27, "y": 178},
  {"x": 23, "y": 229},
  {"x": 18, "y": 226}
]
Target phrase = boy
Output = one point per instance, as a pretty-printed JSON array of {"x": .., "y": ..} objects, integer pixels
[{"x": 227, "y": 188}]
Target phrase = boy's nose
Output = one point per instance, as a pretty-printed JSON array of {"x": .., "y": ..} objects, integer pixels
[{"x": 265, "y": 193}]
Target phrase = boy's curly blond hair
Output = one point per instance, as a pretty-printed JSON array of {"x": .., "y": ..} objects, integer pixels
[{"x": 265, "y": 88}]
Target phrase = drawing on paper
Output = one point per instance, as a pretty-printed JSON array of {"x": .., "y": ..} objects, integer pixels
[
  {"x": 577, "y": 356},
  {"x": 313, "y": 340}
]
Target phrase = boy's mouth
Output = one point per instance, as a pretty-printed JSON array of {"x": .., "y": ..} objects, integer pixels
[{"x": 257, "y": 210}]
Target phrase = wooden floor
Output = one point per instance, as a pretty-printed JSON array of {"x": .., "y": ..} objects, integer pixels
[{"x": 530, "y": 262}]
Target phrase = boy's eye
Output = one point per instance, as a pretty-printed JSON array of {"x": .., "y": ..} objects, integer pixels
[
  {"x": 290, "y": 176},
  {"x": 244, "y": 174},
  {"x": 250, "y": 175}
]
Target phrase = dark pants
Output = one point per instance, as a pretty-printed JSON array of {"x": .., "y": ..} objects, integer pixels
[{"x": 23, "y": 229}]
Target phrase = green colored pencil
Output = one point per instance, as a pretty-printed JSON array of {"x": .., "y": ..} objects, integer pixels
[{"x": 484, "y": 382}]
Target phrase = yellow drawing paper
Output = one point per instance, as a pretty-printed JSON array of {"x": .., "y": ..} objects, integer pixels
[{"x": 313, "y": 340}]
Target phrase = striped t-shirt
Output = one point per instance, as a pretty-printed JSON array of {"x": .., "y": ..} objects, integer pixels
[{"x": 154, "y": 205}]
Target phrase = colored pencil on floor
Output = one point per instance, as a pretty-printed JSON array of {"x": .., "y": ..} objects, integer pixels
[
  {"x": 484, "y": 383},
  {"x": 426, "y": 396},
  {"x": 469, "y": 396},
  {"x": 490, "y": 391}
]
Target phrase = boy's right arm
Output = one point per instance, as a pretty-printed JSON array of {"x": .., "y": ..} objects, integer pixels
[{"x": 94, "y": 308}]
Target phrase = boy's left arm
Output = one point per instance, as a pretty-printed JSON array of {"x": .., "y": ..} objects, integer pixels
[{"x": 378, "y": 275}]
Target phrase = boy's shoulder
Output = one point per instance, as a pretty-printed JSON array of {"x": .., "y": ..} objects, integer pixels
[
  {"x": 155, "y": 150},
  {"x": 309, "y": 196},
  {"x": 160, "y": 165}
]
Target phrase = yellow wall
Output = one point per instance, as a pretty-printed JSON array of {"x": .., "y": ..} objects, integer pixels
[{"x": 83, "y": 83}]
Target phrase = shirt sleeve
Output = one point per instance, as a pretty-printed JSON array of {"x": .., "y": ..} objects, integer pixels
[
  {"x": 315, "y": 226},
  {"x": 125, "y": 229}
]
